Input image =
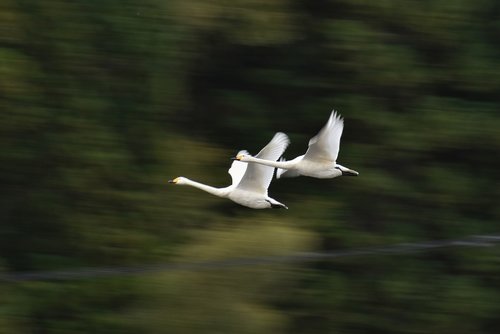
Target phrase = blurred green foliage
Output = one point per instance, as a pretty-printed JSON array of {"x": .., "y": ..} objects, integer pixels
[{"x": 103, "y": 101}]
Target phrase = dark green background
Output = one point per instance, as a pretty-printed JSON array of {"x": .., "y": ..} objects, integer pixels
[{"x": 103, "y": 101}]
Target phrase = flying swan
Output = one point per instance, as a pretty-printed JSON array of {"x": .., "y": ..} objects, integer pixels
[
  {"x": 249, "y": 181},
  {"x": 320, "y": 159}
]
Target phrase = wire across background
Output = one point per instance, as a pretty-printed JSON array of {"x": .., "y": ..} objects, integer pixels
[{"x": 296, "y": 257}]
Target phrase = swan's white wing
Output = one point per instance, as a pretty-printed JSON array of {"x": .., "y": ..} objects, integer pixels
[
  {"x": 258, "y": 177},
  {"x": 238, "y": 169},
  {"x": 326, "y": 144}
]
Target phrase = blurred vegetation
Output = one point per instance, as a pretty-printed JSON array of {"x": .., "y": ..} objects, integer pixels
[{"x": 103, "y": 101}]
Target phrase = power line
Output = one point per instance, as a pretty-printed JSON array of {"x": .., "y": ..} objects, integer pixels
[{"x": 297, "y": 257}]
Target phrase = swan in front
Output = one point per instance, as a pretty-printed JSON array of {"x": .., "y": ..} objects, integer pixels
[
  {"x": 249, "y": 181},
  {"x": 320, "y": 159}
]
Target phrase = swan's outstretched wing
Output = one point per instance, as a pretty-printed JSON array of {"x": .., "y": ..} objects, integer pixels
[
  {"x": 238, "y": 169},
  {"x": 326, "y": 144},
  {"x": 258, "y": 177}
]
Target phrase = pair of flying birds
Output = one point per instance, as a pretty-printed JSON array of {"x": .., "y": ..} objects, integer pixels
[{"x": 251, "y": 176}]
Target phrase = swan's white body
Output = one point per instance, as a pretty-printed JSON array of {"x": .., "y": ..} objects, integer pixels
[
  {"x": 249, "y": 182},
  {"x": 320, "y": 159}
]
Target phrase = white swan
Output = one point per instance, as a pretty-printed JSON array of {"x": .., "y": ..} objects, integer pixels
[
  {"x": 249, "y": 182},
  {"x": 320, "y": 159}
]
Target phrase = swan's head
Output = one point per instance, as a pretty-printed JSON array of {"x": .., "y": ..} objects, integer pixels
[
  {"x": 241, "y": 157},
  {"x": 346, "y": 171},
  {"x": 178, "y": 180}
]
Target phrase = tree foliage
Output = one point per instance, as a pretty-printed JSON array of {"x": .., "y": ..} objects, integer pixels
[{"x": 103, "y": 101}]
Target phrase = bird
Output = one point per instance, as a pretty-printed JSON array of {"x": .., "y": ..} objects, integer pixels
[
  {"x": 320, "y": 159},
  {"x": 249, "y": 182}
]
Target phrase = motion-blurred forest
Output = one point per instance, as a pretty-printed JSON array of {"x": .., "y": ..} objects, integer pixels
[{"x": 102, "y": 102}]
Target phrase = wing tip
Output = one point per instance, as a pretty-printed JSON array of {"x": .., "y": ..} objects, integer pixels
[
  {"x": 335, "y": 115},
  {"x": 282, "y": 138}
]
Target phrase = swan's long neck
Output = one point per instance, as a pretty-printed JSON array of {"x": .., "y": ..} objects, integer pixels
[
  {"x": 277, "y": 164},
  {"x": 221, "y": 192}
]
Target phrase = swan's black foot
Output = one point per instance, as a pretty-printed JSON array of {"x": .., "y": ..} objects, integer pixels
[{"x": 277, "y": 205}]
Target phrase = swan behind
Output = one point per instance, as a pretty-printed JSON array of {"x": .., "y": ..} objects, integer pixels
[{"x": 319, "y": 161}]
